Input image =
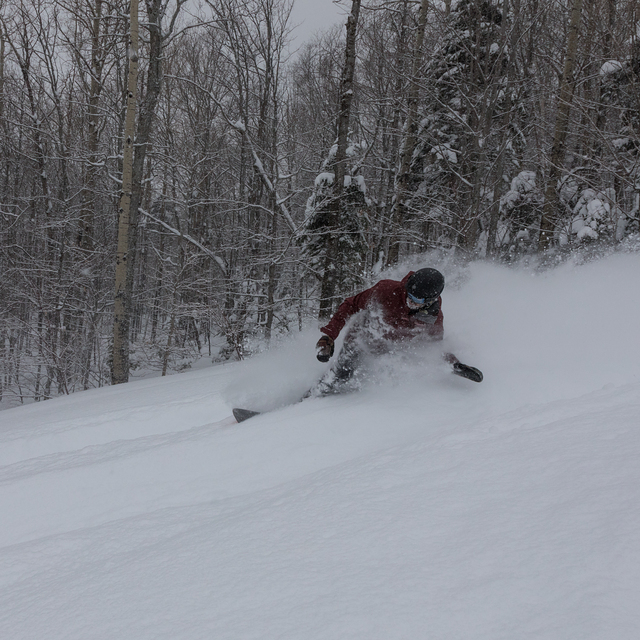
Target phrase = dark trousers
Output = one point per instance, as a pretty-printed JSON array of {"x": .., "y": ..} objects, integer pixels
[{"x": 350, "y": 365}]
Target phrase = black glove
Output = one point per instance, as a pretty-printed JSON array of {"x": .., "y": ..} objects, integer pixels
[
  {"x": 428, "y": 315},
  {"x": 434, "y": 309},
  {"x": 324, "y": 348}
]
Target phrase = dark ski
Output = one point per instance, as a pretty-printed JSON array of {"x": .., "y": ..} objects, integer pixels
[
  {"x": 244, "y": 414},
  {"x": 468, "y": 372},
  {"x": 460, "y": 369}
]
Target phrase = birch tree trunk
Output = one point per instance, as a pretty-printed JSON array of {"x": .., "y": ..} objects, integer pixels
[
  {"x": 153, "y": 82},
  {"x": 391, "y": 149},
  {"x": 329, "y": 277},
  {"x": 398, "y": 211},
  {"x": 85, "y": 238},
  {"x": 565, "y": 98},
  {"x": 122, "y": 302}
]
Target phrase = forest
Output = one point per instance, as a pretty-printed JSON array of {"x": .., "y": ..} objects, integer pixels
[{"x": 177, "y": 181}]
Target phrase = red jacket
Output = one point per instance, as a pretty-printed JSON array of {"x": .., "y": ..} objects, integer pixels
[{"x": 390, "y": 297}]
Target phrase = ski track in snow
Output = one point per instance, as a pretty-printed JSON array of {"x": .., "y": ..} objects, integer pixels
[
  {"x": 423, "y": 506},
  {"x": 95, "y": 454}
]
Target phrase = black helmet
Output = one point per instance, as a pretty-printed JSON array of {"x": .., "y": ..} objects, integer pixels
[{"x": 425, "y": 284}]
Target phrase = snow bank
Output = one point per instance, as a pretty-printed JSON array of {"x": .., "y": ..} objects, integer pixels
[{"x": 422, "y": 506}]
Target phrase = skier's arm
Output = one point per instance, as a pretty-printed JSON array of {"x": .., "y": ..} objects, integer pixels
[{"x": 348, "y": 308}]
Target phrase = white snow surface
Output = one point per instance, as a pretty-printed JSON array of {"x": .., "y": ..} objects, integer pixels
[{"x": 423, "y": 506}]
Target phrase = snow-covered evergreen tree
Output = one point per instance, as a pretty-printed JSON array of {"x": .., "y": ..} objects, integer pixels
[
  {"x": 620, "y": 95},
  {"x": 520, "y": 210},
  {"x": 464, "y": 131},
  {"x": 351, "y": 224}
]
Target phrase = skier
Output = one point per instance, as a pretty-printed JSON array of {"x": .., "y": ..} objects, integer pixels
[
  {"x": 389, "y": 312},
  {"x": 392, "y": 312}
]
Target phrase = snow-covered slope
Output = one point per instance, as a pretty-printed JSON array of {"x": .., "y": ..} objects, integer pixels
[{"x": 424, "y": 506}]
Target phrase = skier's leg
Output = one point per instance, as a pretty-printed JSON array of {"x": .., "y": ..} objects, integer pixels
[
  {"x": 337, "y": 378},
  {"x": 347, "y": 363}
]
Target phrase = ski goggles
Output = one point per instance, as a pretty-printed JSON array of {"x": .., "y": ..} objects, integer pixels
[{"x": 422, "y": 301}]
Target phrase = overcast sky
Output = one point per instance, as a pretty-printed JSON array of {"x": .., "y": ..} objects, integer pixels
[{"x": 312, "y": 15}]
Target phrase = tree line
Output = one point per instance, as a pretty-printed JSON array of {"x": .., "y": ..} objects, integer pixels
[{"x": 178, "y": 180}]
